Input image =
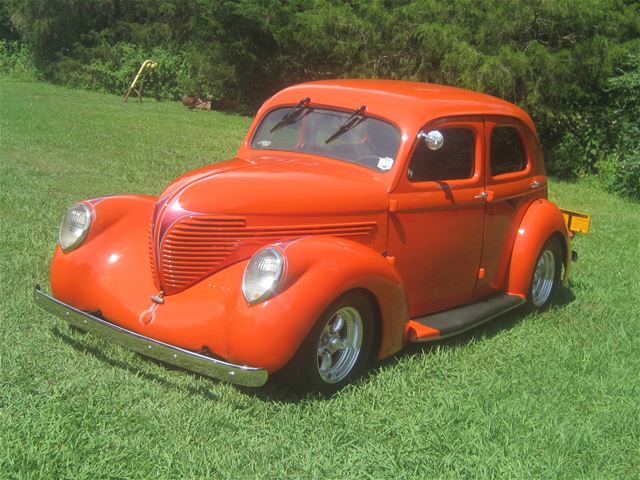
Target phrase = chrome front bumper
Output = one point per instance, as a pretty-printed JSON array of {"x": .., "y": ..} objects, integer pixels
[{"x": 202, "y": 364}]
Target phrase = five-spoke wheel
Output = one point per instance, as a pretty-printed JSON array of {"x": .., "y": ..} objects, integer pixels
[
  {"x": 546, "y": 275},
  {"x": 340, "y": 344},
  {"x": 337, "y": 348}
]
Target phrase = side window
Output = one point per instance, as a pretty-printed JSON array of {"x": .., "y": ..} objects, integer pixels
[
  {"x": 507, "y": 153},
  {"x": 453, "y": 161}
]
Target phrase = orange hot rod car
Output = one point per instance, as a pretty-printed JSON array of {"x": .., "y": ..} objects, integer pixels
[{"x": 357, "y": 216}]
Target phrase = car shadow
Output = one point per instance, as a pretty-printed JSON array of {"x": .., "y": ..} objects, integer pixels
[
  {"x": 503, "y": 323},
  {"x": 270, "y": 392},
  {"x": 274, "y": 392},
  {"x": 96, "y": 353},
  {"x": 498, "y": 325},
  {"x": 564, "y": 295}
]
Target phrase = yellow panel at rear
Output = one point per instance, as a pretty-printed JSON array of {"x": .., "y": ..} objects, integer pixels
[{"x": 576, "y": 221}]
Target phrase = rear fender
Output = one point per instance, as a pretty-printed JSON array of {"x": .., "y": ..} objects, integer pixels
[{"x": 541, "y": 220}]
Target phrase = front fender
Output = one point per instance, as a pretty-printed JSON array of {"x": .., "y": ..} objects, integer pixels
[
  {"x": 116, "y": 248},
  {"x": 110, "y": 273},
  {"x": 541, "y": 220},
  {"x": 319, "y": 270},
  {"x": 331, "y": 267},
  {"x": 109, "y": 211}
]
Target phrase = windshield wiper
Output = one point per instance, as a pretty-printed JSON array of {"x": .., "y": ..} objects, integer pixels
[
  {"x": 292, "y": 115},
  {"x": 352, "y": 121}
]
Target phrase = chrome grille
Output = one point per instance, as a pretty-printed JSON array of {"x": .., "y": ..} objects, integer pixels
[{"x": 196, "y": 246}]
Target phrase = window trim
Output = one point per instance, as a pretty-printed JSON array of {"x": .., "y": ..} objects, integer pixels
[
  {"x": 322, "y": 106},
  {"x": 508, "y": 176},
  {"x": 470, "y": 122}
]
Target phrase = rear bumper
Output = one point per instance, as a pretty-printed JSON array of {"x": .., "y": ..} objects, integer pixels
[{"x": 202, "y": 364}]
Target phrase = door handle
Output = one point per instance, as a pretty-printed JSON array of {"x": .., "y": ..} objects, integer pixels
[
  {"x": 484, "y": 195},
  {"x": 535, "y": 184}
]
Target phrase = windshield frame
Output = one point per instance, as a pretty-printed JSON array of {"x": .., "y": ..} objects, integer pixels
[{"x": 345, "y": 110}]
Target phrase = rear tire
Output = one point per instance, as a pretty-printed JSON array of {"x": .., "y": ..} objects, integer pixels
[
  {"x": 337, "y": 348},
  {"x": 546, "y": 275}
]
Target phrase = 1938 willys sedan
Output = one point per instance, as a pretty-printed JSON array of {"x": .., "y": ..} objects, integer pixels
[{"x": 357, "y": 216}]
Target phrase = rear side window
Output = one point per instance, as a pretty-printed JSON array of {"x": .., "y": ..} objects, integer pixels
[
  {"x": 453, "y": 161},
  {"x": 507, "y": 152}
]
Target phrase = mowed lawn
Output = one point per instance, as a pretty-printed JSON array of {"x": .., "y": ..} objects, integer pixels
[{"x": 526, "y": 396}]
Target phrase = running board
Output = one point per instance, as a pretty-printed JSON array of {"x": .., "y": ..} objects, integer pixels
[{"x": 458, "y": 320}]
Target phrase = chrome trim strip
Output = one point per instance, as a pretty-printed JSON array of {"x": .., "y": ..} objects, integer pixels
[{"x": 208, "y": 366}]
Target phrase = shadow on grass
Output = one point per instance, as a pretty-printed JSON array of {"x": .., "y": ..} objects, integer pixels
[
  {"x": 270, "y": 392},
  {"x": 500, "y": 324},
  {"x": 274, "y": 392},
  {"x": 94, "y": 352}
]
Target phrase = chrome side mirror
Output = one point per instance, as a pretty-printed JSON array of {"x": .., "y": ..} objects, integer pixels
[{"x": 433, "y": 139}]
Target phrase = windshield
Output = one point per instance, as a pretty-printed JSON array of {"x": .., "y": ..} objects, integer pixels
[{"x": 369, "y": 142}]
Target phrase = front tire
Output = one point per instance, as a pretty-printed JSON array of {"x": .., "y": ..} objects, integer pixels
[
  {"x": 546, "y": 275},
  {"x": 337, "y": 348}
]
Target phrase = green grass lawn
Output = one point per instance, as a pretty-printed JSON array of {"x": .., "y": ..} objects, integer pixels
[{"x": 526, "y": 396}]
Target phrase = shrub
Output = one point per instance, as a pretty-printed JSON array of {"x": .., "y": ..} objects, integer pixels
[
  {"x": 112, "y": 69},
  {"x": 17, "y": 62},
  {"x": 583, "y": 144},
  {"x": 206, "y": 74},
  {"x": 603, "y": 138},
  {"x": 621, "y": 170},
  {"x": 572, "y": 65},
  {"x": 620, "y": 173}
]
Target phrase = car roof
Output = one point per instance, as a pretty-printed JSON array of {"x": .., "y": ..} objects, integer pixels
[{"x": 403, "y": 102}]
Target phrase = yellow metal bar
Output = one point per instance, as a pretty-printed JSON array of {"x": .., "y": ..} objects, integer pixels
[{"x": 146, "y": 64}]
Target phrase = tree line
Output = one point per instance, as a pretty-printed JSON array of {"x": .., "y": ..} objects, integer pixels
[{"x": 574, "y": 65}]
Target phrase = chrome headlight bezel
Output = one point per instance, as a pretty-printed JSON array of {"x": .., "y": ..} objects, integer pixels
[
  {"x": 253, "y": 295},
  {"x": 69, "y": 222}
]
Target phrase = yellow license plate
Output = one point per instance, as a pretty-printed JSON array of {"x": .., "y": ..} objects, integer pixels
[{"x": 576, "y": 221}]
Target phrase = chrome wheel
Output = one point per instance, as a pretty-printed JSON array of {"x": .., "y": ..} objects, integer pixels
[
  {"x": 544, "y": 277},
  {"x": 340, "y": 345}
]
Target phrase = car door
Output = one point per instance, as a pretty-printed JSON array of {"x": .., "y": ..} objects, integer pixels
[
  {"x": 436, "y": 218},
  {"x": 514, "y": 179}
]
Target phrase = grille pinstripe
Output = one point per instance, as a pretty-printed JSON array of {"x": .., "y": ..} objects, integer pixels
[{"x": 152, "y": 260}]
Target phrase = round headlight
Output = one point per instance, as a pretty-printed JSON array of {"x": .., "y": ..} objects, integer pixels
[
  {"x": 75, "y": 226},
  {"x": 262, "y": 275}
]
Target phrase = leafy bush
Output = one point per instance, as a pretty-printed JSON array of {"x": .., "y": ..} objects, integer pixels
[
  {"x": 569, "y": 64},
  {"x": 582, "y": 145},
  {"x": 16, "y": 61},
  {"x": 112, "y": 68},
  {"x": 621, "y": 173},
  {"x": 603, "y": 136},
  {"x": 206, "y": 74}
]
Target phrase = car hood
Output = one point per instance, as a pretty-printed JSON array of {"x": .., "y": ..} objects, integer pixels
[
  {"x": 216, "y": 216},
  {"x": 268, "y": 185}
]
